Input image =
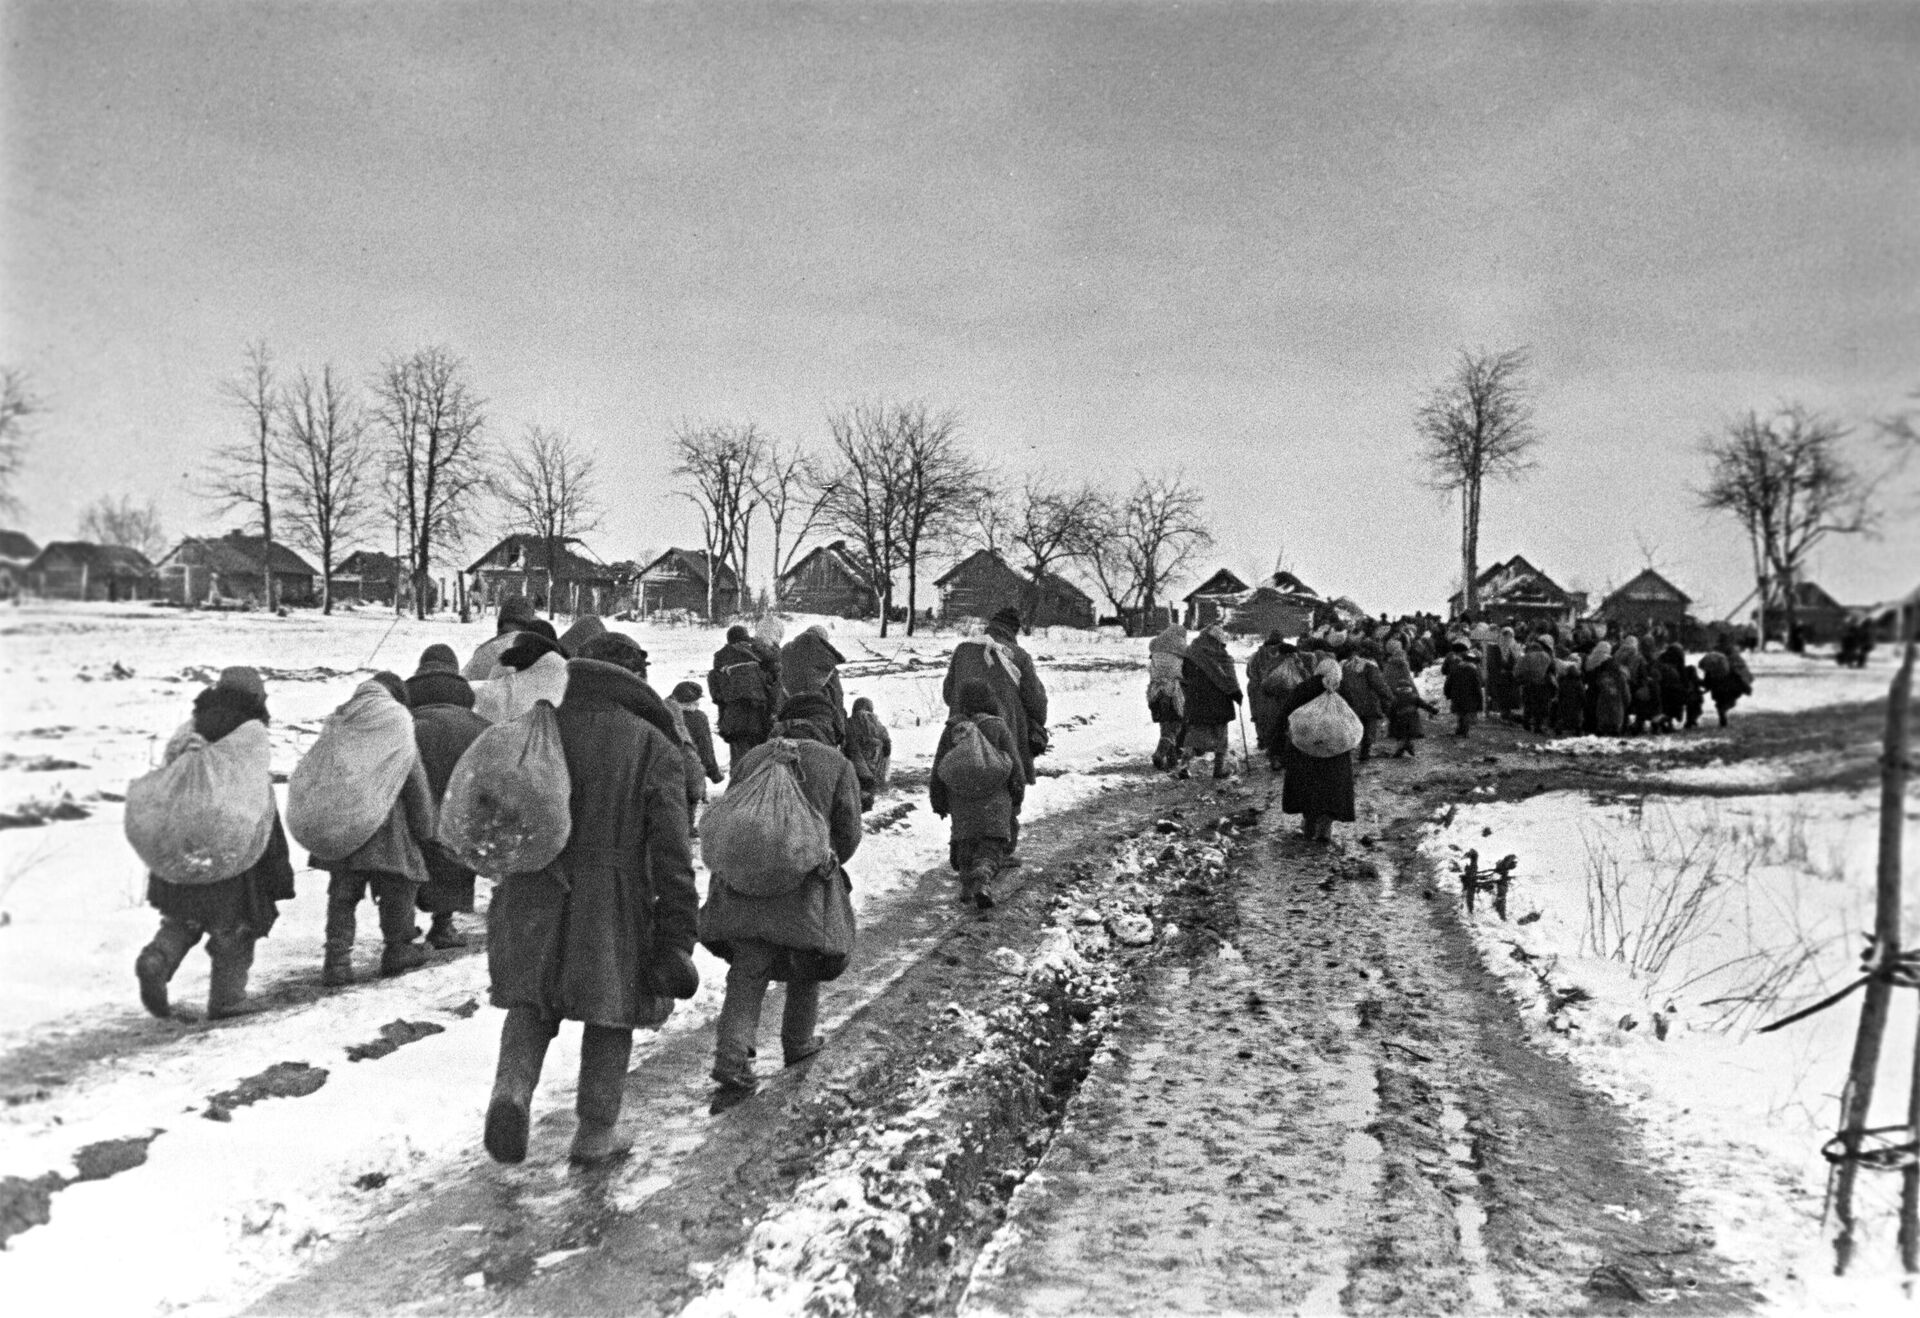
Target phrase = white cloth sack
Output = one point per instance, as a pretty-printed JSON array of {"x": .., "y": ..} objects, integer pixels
[
  {"x": 207, "y": 813},
  {"x": 513, "y": 693},
  {"x": 346, "y": 784},
  {"x": 509, "y": 802},
  {"x": 763, "y": 837},
  {"x": 1324, "y": 727}
]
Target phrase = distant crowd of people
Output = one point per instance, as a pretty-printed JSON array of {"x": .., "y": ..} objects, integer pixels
[
  {"x": 603, "y": 934},
  {"x": 1551, "y": 679}
]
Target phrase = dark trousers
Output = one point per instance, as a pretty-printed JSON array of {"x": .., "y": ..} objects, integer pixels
[{"x": 739, "y": 1024}]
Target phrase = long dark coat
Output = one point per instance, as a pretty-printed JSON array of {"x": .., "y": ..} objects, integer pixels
[
  {"x": 1462, "y": 688},
  {"x": 1607, "y": 697},
  {"x": 1315, "y": 786},
  {"x": 444, "y": 725},
  {"x": 1211, "y": 686},
  {"x": 1364, "y": 686},
  {"x": 1261, "y": 707},
  {"x": 980, "y": 816},
  {"x": 580, "y": 939},
  {"x": 1020, "y": 695}
]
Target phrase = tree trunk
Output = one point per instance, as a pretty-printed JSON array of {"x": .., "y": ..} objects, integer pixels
[
  {"x": 326, "y": 577},
  {"x": 913, "y": 584},
  {"x": 1893, "y": 799}
]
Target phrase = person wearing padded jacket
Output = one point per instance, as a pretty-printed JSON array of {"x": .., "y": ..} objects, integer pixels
[
  {"x": 604, "y": 935},
  {"x": 232, "y": 913},
  {"x": 392, "y": 865},
  {"x": 982, "y": 838},
  {"x": 827, "y": 780},
  {"x": 444, "y": 725}
]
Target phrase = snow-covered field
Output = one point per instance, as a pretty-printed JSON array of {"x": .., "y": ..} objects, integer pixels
[
  {"x": 222, "y": 1208},
  {"x": 1689, "y": 922}
]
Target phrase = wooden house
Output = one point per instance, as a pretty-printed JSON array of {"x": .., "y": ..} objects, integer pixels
[
  {"x": 983, "y": 583},
  {"x": 1269, "y": 609},
  {"x": 367, "y": 576},
  {"x": 76, "y": 570},
  {"x": 17, "y": 552},
  {"x": 832, "y": 579},
  {"x": 234, "y": 567},
  {"x": 518, "y": 566},
  {"x": 1516, "y": 593},
  {"x": 1648, "y": 598},
  {"x": 676, "y": 582},
  {"x": 1215, "y": 599},
  {"x": 1820, "y": 617}
]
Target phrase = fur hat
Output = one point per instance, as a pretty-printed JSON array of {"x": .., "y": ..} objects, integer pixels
[
  {"x": 736, "y": 634},
  {"x": 515, "y": 613},
  {"x": 439, "y": 659},
  {"x": 618, "y": 649},
  {"x": 528, "y": 650},
  {"x": 1008, "y": 617},
  {"x": 688, "y": 692},
  {"x": 584, "y": 629},
  {"x": 243, "y": 681}
]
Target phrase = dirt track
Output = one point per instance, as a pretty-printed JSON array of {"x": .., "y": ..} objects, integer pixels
[{"x": 1311, "y": 1098}]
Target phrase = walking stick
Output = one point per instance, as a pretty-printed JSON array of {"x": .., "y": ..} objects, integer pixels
[{"x": 1246, "y": 756}]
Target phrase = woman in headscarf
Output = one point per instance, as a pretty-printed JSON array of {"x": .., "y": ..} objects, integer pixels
[
  {"x": 870, "y": 747},
  {"x": 1166, "y": 705},
  {"x": 1318, "y": 789},
  {"x": 1212, "y": 690}
]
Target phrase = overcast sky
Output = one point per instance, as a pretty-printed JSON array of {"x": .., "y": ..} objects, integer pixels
[{"x": 1234, "y": 240}]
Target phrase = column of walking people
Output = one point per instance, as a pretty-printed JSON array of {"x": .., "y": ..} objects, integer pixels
[{"x": 548, "y": 762}]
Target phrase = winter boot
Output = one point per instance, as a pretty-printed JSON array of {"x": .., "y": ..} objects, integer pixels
[
  {"x": 603, "y": 1084},
  {"x": 399, "y": 958},
  {"x": 806, "y": 1050},
  {"x": 442, "y": 933},
  {"x": 158, "y": 960},
  {"x": 1220, "y": 767},
  {"x": 232, "y": 954},
  {"x": 981, "y": 878},
  {"x": 523, "y": 1047},
  {"x": 336, "y": 967}
]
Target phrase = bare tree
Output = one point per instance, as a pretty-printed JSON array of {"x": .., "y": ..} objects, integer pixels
[
  {"x": 864, "y": 480},
  {"x": 242, "y": 469},
  {"x": 547, "y": 485},
  {"x": 325, "y": 460},
  {"x": 1474, "y": 427},
  {"x": 111, "y": 521},
  {"x": 1054, "y": 525},
  {"x": 431, "y": 425},
  {"x": 1147, "y": 538},
  {"x": 790, "y": 489},
  {"x": 720, "y": 467},
  {"x": 939, "y": 480},
  {"x": 18, "y": 402},
  {"x": 988, "y": 519},
  {"x": 1790, "y": 483}
]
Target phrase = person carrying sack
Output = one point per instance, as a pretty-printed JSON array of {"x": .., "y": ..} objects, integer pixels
[
  {"x": 997, "y": 657},
  {"x": 1319, "y": 787},
  {"x": 781, "y": 913},
  {"x": 444, "y": 725},
  {"x": 1166, "y": 702},
  {"x": 697, "y": 749},
  {"x": 603, "y": 934},
  {"x": 810, "y": 666},
  {"x": 870, "y": 746},
  {"x": 977, "y": 781},
  {"x": 234, "y": 910},
  {"x": 346, "y": 775},
  {"x": 1212, "y": 694}
]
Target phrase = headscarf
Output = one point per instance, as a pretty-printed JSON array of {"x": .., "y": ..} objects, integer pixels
[
  {"x": 1171, "y": 641},
  {"x": 1600, "y": 654},
  {"x": 770, "y": 629}
]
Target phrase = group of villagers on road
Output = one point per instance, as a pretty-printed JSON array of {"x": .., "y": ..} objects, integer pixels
[
  {"x": 1321, "y": 703},
  {"x": 603, "y": 933}
]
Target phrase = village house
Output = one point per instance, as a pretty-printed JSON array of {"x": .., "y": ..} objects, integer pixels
[
  {"x": 1648, "y": 599},
  {"x": 202, "y": 569},
  {"x": 76, "y": 570},
  {"x": 1215, "y": 598},
  {"x": 983, "y": 583},
  {"x": 1516, "y": 593},
  {"x": 676, "y": 582},
  {"x": 367, "y": 576},
  {"x": 831, "y": 579},
  {"x": 575, "y": 582},
  {"x": 1820, "y": 617},
  {"x": 17, "y": 551}
]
